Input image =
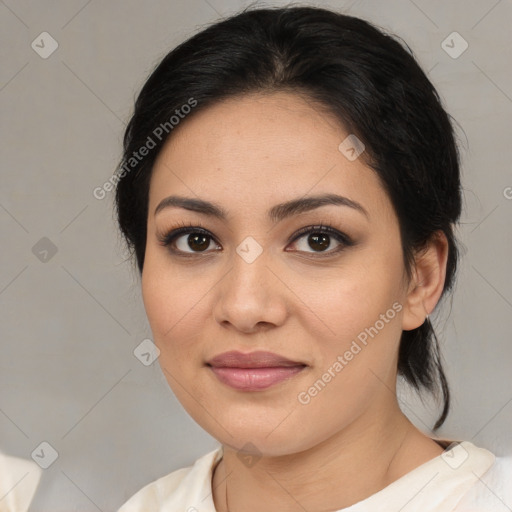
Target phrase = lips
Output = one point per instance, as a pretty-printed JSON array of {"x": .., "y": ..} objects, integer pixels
[{"x": 253, "y": 371}]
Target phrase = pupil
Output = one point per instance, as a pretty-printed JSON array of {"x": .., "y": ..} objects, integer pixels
[
  {"x": 322, "y": 241},
  {"x": 192, "y": 239}
]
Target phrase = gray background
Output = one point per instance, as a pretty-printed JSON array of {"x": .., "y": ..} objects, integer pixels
[{"x": 70, "y": 321}]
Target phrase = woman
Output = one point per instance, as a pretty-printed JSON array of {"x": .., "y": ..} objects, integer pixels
[{"x": 290, "y": 188}]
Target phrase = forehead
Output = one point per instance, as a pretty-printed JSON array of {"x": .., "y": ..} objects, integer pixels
[
  {"x": 254, "y": 151},
  {"x": 279, "y": 126}
]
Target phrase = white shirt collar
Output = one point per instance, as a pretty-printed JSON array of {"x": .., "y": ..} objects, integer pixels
[{"x": 435, "y": 486}]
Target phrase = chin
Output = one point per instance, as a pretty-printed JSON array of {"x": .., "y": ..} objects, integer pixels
[{"x": 252, "y": 433}]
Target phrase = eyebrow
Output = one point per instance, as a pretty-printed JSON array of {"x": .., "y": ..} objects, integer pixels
[{"x": 276, "y": 213}]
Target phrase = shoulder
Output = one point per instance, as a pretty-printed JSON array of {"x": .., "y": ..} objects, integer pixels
[
  {"x": 438, "y": 485},
  {"x": 151, "y": 496},
  {"x": 19, "y": 479},
  {"x": 492, "y": 490},
  {"x": 178, "y": 490}
]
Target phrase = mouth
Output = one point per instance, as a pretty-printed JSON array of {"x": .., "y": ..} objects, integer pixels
[{"x": 255, "y": 371}]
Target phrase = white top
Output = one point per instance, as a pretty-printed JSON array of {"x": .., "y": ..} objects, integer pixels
[
  {"x": 19, "y": 479},
  {"x": 447, "y": 483}
]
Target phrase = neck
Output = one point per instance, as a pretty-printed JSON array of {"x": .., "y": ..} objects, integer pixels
[{"x": 348, "y": 467}]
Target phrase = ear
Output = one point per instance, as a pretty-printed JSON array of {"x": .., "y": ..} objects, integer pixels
[{"x": 427, "y": 283}]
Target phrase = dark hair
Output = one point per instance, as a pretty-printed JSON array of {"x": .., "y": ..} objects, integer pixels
[{"x": 372, "y": 84}]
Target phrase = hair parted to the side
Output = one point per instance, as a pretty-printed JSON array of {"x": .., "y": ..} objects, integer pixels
[{"x": 364, "y": 77}]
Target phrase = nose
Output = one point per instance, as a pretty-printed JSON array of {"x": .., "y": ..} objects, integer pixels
[{"x": 250, "y": 298}]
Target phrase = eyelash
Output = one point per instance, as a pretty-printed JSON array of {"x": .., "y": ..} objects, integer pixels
[{"x": 167, "y": 238}]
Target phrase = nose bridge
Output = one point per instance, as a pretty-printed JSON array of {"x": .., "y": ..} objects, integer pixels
[
  {"x": 249, "y": 275},
  {"x": 249, "y": 293}
]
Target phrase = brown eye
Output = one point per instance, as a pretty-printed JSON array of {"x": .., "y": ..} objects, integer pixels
[
  {"x": 197, "y": 242},
  {"x": 321, "y": 239},
  {"x": 187, "y": 241},
  {"x": 319, "y": 242},
  {"x": 316, "y": 242},
  {"x": 193, "y": 242}
]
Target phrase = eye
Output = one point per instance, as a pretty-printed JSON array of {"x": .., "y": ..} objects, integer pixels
[
  {"x": 187, "y": 240},
  {"x": 192, "y": 240},
  {"x": 321, "y": 239}
]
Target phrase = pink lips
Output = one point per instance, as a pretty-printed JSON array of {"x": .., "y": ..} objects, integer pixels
[{"x": 254, "y": 371}]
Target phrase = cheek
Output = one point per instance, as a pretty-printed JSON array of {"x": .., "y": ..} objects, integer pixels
[
  {"x": 356, "y": 360},
  {"x": 173, "y": 306},
  {"x": 174, "y": 302},
  {"x": 355, "y": 319},
  {"x": 351, "y": 297}
]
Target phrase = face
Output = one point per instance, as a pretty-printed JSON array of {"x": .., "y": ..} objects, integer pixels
[{"x": 319, "y": 284}]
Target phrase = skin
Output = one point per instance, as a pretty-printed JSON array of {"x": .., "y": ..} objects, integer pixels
[{"x": 351, "y": 440}]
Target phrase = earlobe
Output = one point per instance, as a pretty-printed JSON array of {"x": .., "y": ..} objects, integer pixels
[{"x": 427, "y": 284}]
